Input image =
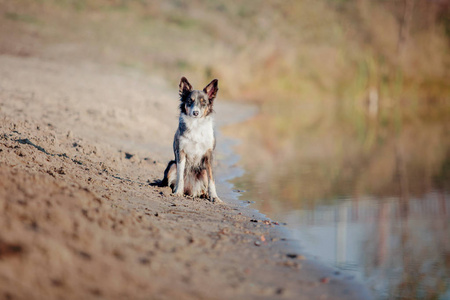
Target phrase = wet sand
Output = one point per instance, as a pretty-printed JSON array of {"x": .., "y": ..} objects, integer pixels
[{"x": 80, "y": 146}]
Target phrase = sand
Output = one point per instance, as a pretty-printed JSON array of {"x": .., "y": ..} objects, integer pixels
[{"x": 81, "y": 145}]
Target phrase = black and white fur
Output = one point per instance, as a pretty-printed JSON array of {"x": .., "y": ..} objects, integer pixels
[{"x": 194, "y": 142}]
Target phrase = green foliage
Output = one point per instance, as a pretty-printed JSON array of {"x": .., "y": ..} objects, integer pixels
[{"x": 21, "y": 17}]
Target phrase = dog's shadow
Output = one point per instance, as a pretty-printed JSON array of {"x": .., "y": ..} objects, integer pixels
[{"x": 158, "y": 183}]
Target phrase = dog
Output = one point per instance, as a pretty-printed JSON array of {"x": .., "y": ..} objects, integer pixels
[{"x": 191, "y": 173}]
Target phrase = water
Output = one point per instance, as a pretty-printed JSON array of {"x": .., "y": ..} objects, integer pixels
[
  {"x": 368, "y": 197},
  {"x": 396, "y": 254}
]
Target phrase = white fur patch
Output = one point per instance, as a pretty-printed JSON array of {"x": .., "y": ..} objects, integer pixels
[{"x": 197, "y": 139}]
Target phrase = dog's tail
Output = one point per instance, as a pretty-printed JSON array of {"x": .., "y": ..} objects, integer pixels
[{"x": 165, "y": 181}]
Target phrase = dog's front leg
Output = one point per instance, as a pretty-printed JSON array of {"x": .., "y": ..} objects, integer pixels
[
  {"x": 212, "y": 191},
  {"x": 211, "y": 184},
  {"x": 181, "y": 165}
]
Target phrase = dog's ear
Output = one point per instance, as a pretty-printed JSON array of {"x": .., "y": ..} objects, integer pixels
[
  {"x": 211, "y": 89},
  {"x": 185, "y": 87}
]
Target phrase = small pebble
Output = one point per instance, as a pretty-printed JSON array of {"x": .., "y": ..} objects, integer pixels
[{"x": 324, "y": 280}]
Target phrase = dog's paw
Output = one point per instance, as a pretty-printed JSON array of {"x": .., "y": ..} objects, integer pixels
[
  {"x": 177, "y": 193},
  {"x": 216, "y": 200}
]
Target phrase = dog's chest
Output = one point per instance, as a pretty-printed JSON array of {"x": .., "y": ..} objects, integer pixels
[{"x": 197, "y": 139}]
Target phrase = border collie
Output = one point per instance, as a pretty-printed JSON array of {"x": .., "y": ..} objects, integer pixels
[{"x": 193, "y": 145}]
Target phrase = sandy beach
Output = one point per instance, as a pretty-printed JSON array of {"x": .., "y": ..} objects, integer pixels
[
  {"x": 80, "y": 146},
  {"x": 332, "y": 152}
]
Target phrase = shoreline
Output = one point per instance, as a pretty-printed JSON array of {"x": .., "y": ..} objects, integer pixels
[
  {"x": 286, "y": 243},
  {"x": 79, "y": 219}
]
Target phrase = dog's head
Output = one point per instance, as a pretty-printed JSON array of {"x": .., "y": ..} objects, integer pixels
[{"x": 195, "y": 103}]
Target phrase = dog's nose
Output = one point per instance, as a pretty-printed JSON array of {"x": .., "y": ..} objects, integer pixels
[{"x": 195, "y": 113}]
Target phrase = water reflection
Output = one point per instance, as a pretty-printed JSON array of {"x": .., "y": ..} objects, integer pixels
[
  {"x": 371, "y": 199},
  {"x": 399, "y": 256}
]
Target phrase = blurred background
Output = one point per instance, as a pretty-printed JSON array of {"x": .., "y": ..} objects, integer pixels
[{"x": 352, "y": 143}]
